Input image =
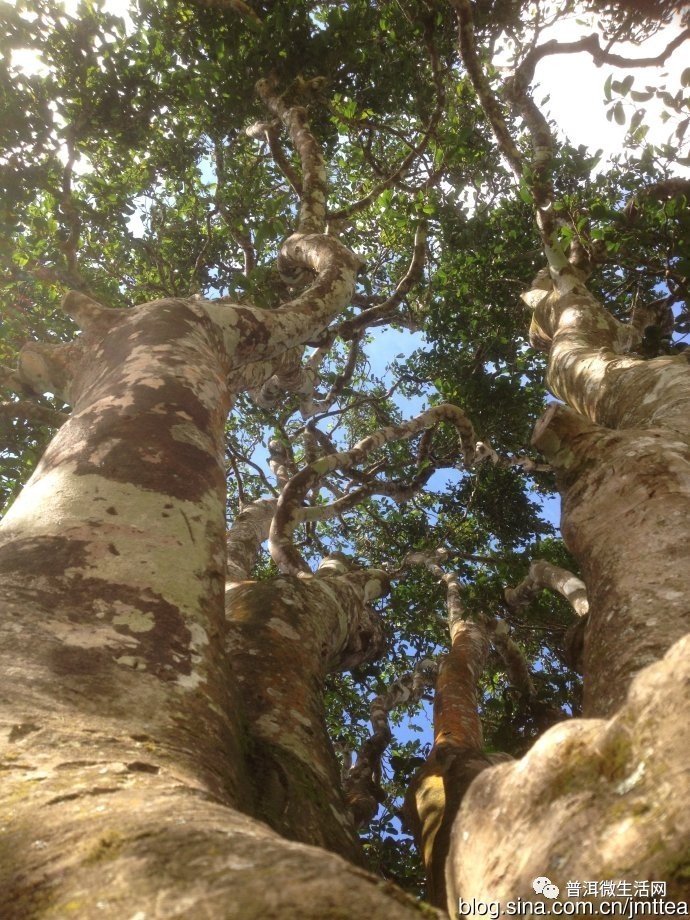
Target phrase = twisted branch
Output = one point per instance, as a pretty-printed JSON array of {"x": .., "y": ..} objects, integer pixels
[
  {"x": 361, "y": 783},
  {"x": 289, "y": 513}
]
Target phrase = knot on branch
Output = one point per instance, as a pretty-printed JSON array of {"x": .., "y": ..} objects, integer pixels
[{"x": 260, "y": 130}]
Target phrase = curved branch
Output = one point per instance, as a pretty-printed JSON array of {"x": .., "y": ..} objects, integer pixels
[
  {"x": 490, "y": 104},
  {"x": 543, "y": 574},
  {"x": 361, "y": 783},
  {"x": 415, "y": 151},
  {"x": 398, "y": 489},
  {"x": 538, "y": 175},
  {"x": 517, "y": 669},
  {"x": 312, "y": 216},
  {"x": 242, "y": 458},
  {"x": 288, "y": 511},
  {"x": 438, "y": 787},
  {"x": 384, "y": 310},
  {"x": 590, "y": 44},
  {"x": 268, "y": 131},
  {"x": 31, "y": 412},
  {"x": 486, "y": 452},
  {"x": 247, "y": 533},
  {"x": 281, "y": 461},
  {"x": 658, "y": 191},
  {"x": 311, "y": 406}
]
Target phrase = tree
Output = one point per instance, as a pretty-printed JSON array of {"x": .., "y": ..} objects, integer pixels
[{"x": 174, "y": 693}]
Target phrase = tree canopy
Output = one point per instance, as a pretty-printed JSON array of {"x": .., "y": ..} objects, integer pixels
[{"x": 138, "y": 161}]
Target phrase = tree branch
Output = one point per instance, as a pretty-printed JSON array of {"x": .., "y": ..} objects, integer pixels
[
  {"x": 386, "y": 308},
  {"x": 415, "y": 151},
  {"x": 312, "y": 216},
  {"x": 490, "y": 104},
  {"x": 247, "y": 533},
  {"x": 10, "y": 380},
  {"x": 32, "y": 412},
  {"x": 232, "y": 6},
  {"x": 361, "y": 783},
  {"x": 543, "y": 574},
  {"x": 517, "y": 669},
  {"x": 268, "y": 131},
  {"x": 590, "y": 44},
  {"x": 288, "y": 512}
]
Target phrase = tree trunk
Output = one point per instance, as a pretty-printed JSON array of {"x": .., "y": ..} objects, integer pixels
[
  {"x": 599, "y": 798},
  {"x": 286, "y": 634},
  {"x": 593, "y": 799},
  {"x": 128, "y": 743},
  {"x": 456, "y": 758},
  {"x": 622, "y": 457}
]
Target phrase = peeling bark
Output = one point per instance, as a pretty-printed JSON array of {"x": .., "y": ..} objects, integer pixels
[
  {"x": 590, "y": 371},
  {"x": 115, "y": 546},
  {"x": 622, "y": 457},
  {"x": 625, "y": 512}
]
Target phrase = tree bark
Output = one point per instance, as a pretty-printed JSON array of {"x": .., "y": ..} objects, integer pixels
[
  {"x": 126, "y": 750},
  {"x": 285, "y": 635},
  {"x": 456, "y": 758},
  {"x": 597, "y": 798},
  {"x": 593, "y": 799},
  {"x": 622, "y": 458}
]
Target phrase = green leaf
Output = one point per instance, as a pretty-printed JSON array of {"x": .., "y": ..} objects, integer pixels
[
  {"x": 607, "y": 88},
  {"x": 619, "y": 113},
  {"x": 636, "y": 120},
  {"x": 525, "y": 194}
]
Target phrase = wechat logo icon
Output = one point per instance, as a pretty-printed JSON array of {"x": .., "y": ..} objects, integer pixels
[{"x": 543, "y": 885}]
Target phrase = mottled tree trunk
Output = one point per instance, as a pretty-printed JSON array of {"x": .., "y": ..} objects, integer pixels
[
  {"x": 130, "y": 749},
  {"x": 286, "y": 634},
  {"x": 593, "y": 799},
  {"x": 599, "y": 798},
  {"x": 622, "y": 457},
  {"x": 112, "y": 558},
  {"x": 456, "y": 757}
]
